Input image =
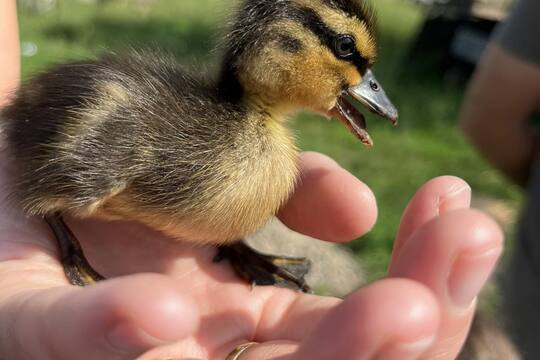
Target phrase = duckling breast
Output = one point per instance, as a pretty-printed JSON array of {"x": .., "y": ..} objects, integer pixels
[
  {"x": 244, "y": 180},
  {"x": 258, "y": 175}
]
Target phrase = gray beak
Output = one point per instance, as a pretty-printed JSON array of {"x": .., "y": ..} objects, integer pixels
[{"x": 373, "y": 97}]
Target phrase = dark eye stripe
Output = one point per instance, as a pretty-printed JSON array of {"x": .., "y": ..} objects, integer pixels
[
  {"x": 251, "y": 28},
  {"x": 312, "y": 21}
]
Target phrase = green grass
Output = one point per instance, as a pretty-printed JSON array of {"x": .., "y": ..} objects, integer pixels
[{"x": 426, "y": 144}]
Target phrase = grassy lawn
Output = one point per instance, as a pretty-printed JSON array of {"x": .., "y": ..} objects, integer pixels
[{"x": 426, "y": 144}]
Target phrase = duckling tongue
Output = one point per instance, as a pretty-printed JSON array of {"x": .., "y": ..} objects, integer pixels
[{"x": 345, "y": 112}]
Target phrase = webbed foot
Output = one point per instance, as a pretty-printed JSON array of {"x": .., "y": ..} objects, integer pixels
[{"x": 262, "y": 269}]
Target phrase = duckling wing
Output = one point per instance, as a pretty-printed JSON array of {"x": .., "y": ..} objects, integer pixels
[{"x": 84, "y": 131}]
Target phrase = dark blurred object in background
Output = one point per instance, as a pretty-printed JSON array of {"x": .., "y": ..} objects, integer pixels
[
  {"x": 454, "y": 36},
  {"x": 488, "y": 342}
]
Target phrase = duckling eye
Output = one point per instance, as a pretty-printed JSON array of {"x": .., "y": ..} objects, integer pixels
[{"x": 344, "y": 46}]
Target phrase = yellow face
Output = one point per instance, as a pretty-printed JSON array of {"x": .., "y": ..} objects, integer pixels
[{"x": 309, "y": 63}]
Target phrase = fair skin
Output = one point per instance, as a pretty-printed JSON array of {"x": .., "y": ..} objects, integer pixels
[
  {"x": 9, "y": 59},
  {"x": 165, "y": 299},
  {"x": 503, "y": 93}
]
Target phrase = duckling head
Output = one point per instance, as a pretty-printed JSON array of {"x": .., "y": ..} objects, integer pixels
[{"x": 287, "y": 55}]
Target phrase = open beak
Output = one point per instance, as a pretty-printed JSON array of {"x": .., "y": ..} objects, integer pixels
[{"x": 370, "y": 94}]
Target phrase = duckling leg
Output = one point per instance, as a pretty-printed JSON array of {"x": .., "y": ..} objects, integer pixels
[
  {"x": 76, "y": 267},
  {"x": 262, "y": 269}
]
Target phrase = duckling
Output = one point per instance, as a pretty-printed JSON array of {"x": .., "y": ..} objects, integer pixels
[{"x": 136, "y": 137}]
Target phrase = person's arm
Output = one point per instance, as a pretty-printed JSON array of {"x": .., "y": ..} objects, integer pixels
[
  {"x": 502, "y": 95},
  {"x": 9, "y": 49}
]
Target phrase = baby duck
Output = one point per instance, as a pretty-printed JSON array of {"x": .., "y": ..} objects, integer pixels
[{"x": 138, "y": 138}]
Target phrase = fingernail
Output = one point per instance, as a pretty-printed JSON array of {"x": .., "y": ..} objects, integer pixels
[
  {"x": 469, "y": 274},
  {"x": 455, "y": 198},
  {"x": 404, "y": 351},
  {"x": 125, "y": 338}
]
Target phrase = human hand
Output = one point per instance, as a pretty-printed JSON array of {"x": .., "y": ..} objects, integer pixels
[
  {"x": 185, "y": 306},
  {"x": 9, "y": 54}
]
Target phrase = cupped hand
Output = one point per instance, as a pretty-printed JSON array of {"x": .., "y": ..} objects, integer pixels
[{"x": 167, "y": 300}]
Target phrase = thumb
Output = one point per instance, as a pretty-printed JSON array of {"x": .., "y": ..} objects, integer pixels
[{"x": 116, "y": 319}]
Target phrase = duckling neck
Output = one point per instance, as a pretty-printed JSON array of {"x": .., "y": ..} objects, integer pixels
[{"x": 257, "y": 103}]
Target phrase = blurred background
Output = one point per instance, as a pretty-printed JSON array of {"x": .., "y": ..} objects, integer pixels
[{"x": 428, "y": 49}]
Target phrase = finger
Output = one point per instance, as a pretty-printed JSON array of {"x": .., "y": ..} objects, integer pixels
[
  {"x": 292, "y": 316},
  {"x": 391, "y": 319},
  {"x": 115, "y": 319},
  {"x": 329, "y": 203},
  {"x": 437, "y": 196},
  {"x": 453, "y": 255}
]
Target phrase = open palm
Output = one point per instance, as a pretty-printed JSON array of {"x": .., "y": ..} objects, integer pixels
[{"x": 168, "y": 300}]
